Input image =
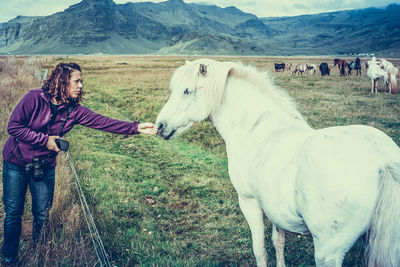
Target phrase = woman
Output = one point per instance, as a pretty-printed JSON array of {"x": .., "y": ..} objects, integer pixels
[{"x": 41, "y": 117}]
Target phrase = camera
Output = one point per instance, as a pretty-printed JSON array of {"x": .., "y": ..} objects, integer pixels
[
  {"x": 35, "y": 169},
  {"x": 62, "y": 144}
]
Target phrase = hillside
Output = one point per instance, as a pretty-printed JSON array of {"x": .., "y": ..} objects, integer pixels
[
  {"x": 176, "y": 27},
  {"x": 371, "y": 30}
]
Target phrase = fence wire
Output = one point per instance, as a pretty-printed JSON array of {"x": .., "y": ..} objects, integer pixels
[{"x": 94, "y": 234}]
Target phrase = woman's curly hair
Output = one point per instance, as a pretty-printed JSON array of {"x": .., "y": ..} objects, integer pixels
[{"x": 57, "y": 84}]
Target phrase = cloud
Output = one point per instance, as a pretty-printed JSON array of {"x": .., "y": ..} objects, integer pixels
[
  {"x": 261, "y": 8},
  {"x": 11, "y": 9},
  {"x": 267, "y": 8}
]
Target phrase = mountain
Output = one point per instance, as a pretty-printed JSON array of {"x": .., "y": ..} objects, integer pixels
[
  {"x": 204, "y": 43},
  {"x": 175, "y": 27},
  {"x": 371, "y": 30}
]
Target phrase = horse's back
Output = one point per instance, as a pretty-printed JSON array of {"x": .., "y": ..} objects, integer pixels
[
  {"x": 361, "y": 134},
  {"x": 356, "y": 147}
]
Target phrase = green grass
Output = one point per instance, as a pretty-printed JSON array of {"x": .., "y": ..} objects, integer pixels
[{"x": 176, "y": 190}]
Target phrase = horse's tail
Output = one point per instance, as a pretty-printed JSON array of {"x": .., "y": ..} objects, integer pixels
[
  {"x": 393, "y": 83},
  {"x": 384, "y": 232}
]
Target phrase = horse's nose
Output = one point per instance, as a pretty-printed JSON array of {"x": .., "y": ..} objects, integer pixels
[{"x": 161, "y": 127}]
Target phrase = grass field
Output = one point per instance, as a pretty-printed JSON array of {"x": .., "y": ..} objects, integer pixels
[{"x": 159, "y": 203}]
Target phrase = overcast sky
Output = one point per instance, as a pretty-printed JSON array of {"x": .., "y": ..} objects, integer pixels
[{"x": 9, "y": 9}]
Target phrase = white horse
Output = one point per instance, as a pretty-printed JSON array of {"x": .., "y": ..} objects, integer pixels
[
  {"x": 300, "y": 68},
  {"x": 392, "y": 72},
  {"x": 375, "y": 72},
  {"x": 335, "y": 183},
  {"x": 385, "y": 64}
]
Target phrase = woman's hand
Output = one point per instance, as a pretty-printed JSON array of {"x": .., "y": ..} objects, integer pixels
[
  {"x": 147, "y": 128},
  {"x": 51, "y": 143}
]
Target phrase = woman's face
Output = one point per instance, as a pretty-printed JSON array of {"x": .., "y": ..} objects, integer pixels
[{"x": 75, "y": 84}]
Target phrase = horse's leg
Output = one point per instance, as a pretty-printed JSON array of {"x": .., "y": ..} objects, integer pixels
[
  {"x": 375, "y": 86},
  {"x": 372, "y": 85},
  {"x": 327, "y": 257},
  {"x": 331, "y": 245},
  {"x": 254, "y": 217},
  {"x": 278, "y": 239},
  {"x": 333, "y": 236}
]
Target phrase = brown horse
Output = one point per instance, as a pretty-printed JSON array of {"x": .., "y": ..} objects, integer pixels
[{"x": 341, "y": 65}]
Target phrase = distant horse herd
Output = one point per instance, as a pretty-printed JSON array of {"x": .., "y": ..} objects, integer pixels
[
  {"x": 377, "y": 69},
  {"x": 383, "y": 69}
]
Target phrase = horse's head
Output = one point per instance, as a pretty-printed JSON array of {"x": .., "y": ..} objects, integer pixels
[
  {"x": 196, "y": 92},
  {"x": 335, "y": 61}
]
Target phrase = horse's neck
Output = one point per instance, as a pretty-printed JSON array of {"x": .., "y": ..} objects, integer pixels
[{"x": 250, "y": 113}]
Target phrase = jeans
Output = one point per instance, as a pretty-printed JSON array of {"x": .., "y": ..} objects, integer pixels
[{"x": 15, "y": 184}]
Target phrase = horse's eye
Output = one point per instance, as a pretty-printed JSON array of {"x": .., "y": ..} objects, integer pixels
[{"x": 186, "y": 92}]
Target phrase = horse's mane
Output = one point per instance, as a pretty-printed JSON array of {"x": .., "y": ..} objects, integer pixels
[
  {"x": 264, "y": 84},
  {"x": 220, "y": 74}
]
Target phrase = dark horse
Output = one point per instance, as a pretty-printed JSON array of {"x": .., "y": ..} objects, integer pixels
[
  {"x": 324, "y": 68},
  {"x": 341, "y": 64},
  {"x": 354, "y": 65},
  {"x": 279, "y": 66}
]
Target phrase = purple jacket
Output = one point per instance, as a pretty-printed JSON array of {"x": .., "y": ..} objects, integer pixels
[{"x": 29, "y": 123}]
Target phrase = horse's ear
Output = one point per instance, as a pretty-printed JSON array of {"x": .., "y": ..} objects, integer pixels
[
  {"x": 231, "y": 72},
  {"x": 203, "y": 69}
]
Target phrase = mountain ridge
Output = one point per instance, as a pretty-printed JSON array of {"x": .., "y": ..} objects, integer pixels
[{"x": 175, "y": 27}]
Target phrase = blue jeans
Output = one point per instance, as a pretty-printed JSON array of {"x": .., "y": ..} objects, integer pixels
[{"x": 15, "y": 183}]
